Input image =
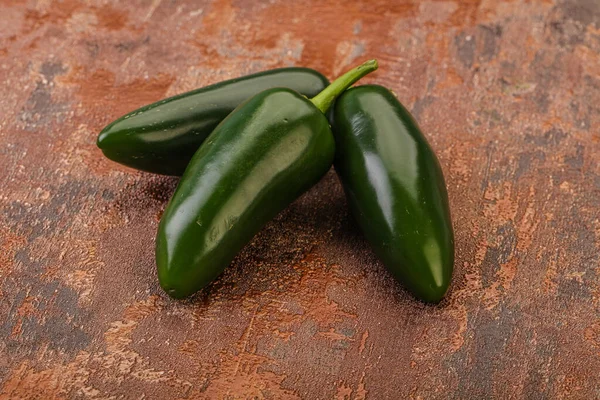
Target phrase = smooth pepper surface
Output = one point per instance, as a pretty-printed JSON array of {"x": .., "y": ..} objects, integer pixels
[
  {"x": 162, "y": 137},
  {"x": 250, "y": 168},
  {"x": 395, "y": 189},
  {"x": 264, "y": 155}
]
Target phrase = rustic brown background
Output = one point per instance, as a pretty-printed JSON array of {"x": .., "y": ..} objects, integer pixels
[{"x": 508, "y": 93}]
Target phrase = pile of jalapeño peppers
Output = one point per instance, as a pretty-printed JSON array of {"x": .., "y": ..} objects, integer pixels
[{"x": 248, "y": 147}]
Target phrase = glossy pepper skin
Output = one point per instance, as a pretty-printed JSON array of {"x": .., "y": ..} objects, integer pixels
[
  {"x": 264, "y": 155},
  {"x": 395, "y": 189},
  {"x": 252, "y": 166},
  {"x": 162, "y": 137}
]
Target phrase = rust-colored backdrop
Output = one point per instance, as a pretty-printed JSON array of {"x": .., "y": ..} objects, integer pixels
[{"x": 508, "y": 93}]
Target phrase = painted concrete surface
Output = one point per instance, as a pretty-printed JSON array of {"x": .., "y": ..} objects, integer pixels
[{"x": 508, "y": 94}]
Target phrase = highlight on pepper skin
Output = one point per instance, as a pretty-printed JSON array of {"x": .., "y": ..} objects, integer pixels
[
  {"x": 250, "y": 146},
  {"x": 162, "y": 137},
  {"x": 263, "y": 156},
  {"x": 395, "y": 189}
]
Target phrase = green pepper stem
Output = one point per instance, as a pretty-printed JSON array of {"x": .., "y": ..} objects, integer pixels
[{"x": 325, "y": 99}]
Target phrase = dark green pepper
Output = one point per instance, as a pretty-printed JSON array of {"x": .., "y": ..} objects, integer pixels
[
  {"x": 162, "y": 137},
  {"x": 395, "y": 189},
  {"x": 265, "y": 154}
]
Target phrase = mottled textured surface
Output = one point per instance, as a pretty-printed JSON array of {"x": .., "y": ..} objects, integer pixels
[{"x": 508, "y": 93}]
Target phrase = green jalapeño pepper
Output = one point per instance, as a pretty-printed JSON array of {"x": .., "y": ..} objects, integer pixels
[
  {"x": 265, "y": 154},
  {"x": 395, "y": 189},
  {"x": 162, "y": 137}
]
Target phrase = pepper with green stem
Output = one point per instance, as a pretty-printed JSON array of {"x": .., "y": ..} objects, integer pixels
[{"x": 258, "y": 160}]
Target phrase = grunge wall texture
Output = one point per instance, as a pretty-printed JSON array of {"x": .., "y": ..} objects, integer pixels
[{"x": 508, "y": 93}]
